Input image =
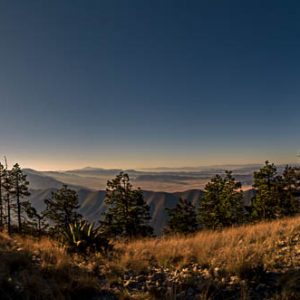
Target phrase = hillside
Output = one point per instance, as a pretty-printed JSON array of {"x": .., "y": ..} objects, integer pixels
[
  {"x": 259, "y": 261},
  {"x": 92, "y": 203},
  {"x": 92, "y": 200},
  {"x": 40, "y": 181}
]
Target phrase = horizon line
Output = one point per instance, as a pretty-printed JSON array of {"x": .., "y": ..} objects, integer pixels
[{"x": 212, "y": 166}]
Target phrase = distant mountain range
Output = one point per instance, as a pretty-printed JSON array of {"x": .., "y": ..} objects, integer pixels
[
  {"x": 85, "y": 182},
  {"x": 168, "y": 180}
]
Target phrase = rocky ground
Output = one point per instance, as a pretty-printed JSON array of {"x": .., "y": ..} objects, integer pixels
[{"x": 194, "y": 281}]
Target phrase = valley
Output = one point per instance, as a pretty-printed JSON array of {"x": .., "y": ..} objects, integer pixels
[{"x": 161, "y": 189}]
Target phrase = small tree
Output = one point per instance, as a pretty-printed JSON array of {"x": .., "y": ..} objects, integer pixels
[
  {"x": 182, "y": 218},
  {"x": 8, "y": 191},
  {"x": 2, "y": 173},
  {"x": 127, "y": 214},
  {"x": 266, "y": 204},
  {"x": 20, "y": 190},
  {"x": 222, "y": 204},
  {"x": 289, "y": 202},
  {"x": 61, "y": 208},
  {"x": 36, "y": 220}
]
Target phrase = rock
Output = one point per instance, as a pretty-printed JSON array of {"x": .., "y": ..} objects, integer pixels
[
  {"x": 126, "y": 277},
  {"x": 216, "y": 271},
  {"x": 234, "y": 280},
  {"x": 130, "y": 284},
  {"x": 206, "y": 273}
]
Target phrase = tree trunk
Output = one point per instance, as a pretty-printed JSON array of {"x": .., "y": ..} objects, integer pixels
[
  {"x": 8, "y": 215},
  {"x": 39, "y": 226},
  {"x": 19, "y": 208},
  {"x": 1, "y": 204}
]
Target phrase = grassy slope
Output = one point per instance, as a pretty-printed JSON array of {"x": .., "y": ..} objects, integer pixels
[
  {"x": 230, "y": 249},
  {"x": 261, "y": 261}
]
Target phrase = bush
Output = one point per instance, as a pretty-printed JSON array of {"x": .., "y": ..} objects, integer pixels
[{"x": 82, "y": 237}]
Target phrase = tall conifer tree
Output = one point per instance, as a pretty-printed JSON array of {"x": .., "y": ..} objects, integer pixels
[
  {"x": 182, "y": 218},
  {"x": 290, "y": 191},
  {"x": 20, "y": 190},
  {"x": 2, "y": 173},
  {"x": 62, "y": 208},
  {"x": 127, "y": 214},
  {"x": 268, "y": 186},
  {"x": 222, "y": 204},
  {"x": 8, "y": 191}
]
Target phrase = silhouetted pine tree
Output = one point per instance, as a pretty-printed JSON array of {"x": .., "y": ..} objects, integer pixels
[
  {"x": 289, "y": 203},
  {"x": 8, "y": 191},
  {"x": 37, "y": 220},
  {"x": 20, "y": 190},
  {"x": 61, "y": 208},
  {"x": 182, "y": 218},
  {"x": 127, "y": 214},
  {"x": 222, "y": 204},
  {"x": 1, "y": 195}
]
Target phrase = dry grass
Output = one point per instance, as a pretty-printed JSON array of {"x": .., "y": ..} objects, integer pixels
[
  {"x": 34, "y": 268},
  {"x": 231, "y": 249},
  {"x": 42, "y": 269}
]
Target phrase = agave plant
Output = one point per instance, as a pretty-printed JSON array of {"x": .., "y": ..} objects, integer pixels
[{"x": 82, "y": 237}]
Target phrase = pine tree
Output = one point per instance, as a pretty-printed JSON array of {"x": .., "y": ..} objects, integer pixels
[
  {"x": 182, "y": 218},
  {"x": 1, "y": 195},
  {"x": 61, "y": 208},
  {"x": 266, "y": 204},
  {"x": 127, "y": 214},
  {"x": 289, "y": 203},
  {"x": 36, "y": 219},
  {"x": 20, "y": 190},
  {"x": 8, "y": 191},
  {"x": 222, "y": 204}
]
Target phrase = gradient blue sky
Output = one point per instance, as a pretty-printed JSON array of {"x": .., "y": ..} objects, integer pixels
[{"x": 149, "y": 83}]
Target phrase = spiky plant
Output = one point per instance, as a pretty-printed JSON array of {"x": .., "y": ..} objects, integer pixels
[{"x": 82, "y": 237}]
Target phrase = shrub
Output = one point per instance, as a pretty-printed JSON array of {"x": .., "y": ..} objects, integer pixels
[{"x": 81, "y": 237}]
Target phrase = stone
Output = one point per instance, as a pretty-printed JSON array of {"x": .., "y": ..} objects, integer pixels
[{"x": 130, "y": 284}]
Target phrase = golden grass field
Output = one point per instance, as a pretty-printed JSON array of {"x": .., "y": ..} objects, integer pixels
[
  {"x": 230, "y": 249},
  {"x": 42, "y": 265}
]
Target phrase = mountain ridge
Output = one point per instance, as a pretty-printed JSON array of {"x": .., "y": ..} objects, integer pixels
[{"x": 92, "y": 205}]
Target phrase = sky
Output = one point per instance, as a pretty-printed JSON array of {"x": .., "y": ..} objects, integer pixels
[{"x": 141, "y": 84}]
